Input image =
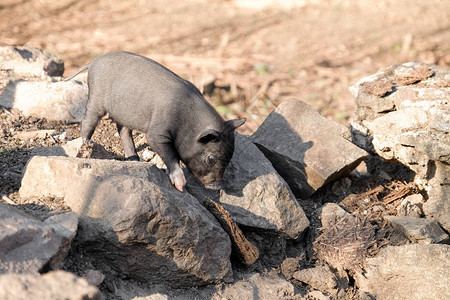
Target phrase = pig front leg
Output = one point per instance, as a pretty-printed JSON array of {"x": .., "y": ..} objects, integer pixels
[
  {"x": 127, "y": 142},
  {"x": 169, "y": 155}
]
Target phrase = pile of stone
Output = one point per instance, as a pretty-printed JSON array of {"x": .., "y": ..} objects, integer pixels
[
  {"x": 403, "y": 115},
  {"x": 131, "y": 221},
  {"x": 30, "y": 80}
]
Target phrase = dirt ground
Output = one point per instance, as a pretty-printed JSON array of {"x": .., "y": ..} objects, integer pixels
[
  {"x": 259, "y": 56},
  {"x": 256, "y": 57}
]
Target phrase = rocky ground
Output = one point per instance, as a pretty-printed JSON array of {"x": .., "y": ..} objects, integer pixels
[
  {"x": 22, "y": 134},
  {"x": 247, "y": 62}
]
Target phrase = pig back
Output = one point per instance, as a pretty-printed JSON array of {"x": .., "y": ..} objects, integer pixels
[{"x": 143, "y": 95}]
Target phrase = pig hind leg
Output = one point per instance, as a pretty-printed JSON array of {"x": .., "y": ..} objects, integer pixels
[
  {"x": 127, "y": 142},
  {"x": 90, "y": 120}
]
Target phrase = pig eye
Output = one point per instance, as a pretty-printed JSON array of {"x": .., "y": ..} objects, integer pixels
[{"x": 211, "y": 159}]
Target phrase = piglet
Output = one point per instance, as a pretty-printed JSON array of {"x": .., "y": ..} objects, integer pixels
[{"x": 140, "y": 94}]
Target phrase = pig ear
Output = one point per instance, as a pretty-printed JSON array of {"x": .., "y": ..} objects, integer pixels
[
  {"x": 233, "y": 124},
  {"x": 208, "y": 135}
]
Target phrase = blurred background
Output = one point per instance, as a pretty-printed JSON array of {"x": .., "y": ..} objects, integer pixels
[{"x": 245, "y": 56}]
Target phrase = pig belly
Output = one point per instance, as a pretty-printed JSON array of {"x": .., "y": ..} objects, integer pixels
[{"x": 130, "y": 113}]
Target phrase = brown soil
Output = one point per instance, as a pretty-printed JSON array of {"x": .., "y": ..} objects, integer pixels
[
  {"x": 256, "y": 57},
  {"x": 259, "y": 57}
]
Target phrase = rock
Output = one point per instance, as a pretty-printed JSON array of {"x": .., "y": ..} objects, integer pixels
[
  {"x": 25, "y": 62},
  {"x": 331, "y": 213},
  {"x": 437, "y": 206},
  {"x": 414, "y": 130},
  {"x": 52, "y": 285},
  {"x": 65, "y": 225},
  {"x": 256, "y": 286},
  {"x": 289, "y": 266},
  {"x": 61, "y": 101},
  {"x": 254, "y": 194},
  {"x": 419, "y": 230},
  {"x": 28, "y": 135},
  {"x": 411, "y": 206},
  {"x": 307, "y": 149},
  {"x": 316, "y": 295},
  {"x": 94, "y": 277},
  {"x": 28, "y": 245},
  {"x": 415, "y": 271},
  {"x": 403, "y": 136},
  {"x": 75, "y": 148},
  {"x": 86, "y": 149},
  {"x": 361, "y": 170},
  {"x": 319, "y": 278},
  {"x": 133, "y": 221},
  {"x": 25, "y": 84}
]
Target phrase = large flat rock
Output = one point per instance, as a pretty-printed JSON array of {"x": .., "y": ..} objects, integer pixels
[
  {"x": 133, "y": 221},
  {"x": 415, "y": 271},
  {"x": 307, "y": 149}
]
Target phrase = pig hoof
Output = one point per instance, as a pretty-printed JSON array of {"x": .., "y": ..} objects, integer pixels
[{"x": 178, "y": 180}]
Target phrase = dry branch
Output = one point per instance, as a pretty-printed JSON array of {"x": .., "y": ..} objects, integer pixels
[{"x": 246, "y": 251}]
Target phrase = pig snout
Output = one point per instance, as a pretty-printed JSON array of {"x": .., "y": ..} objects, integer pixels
[{"x": 212, "y": 181}]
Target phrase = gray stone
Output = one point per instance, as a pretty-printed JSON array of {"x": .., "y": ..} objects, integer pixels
[
  {"x": 86, "y": 149},
  {"x": 410, "y": 96},
  {"x": 289, "y": 266},
  {"x": 132, "y": 220},
  {"x": 94, "y": 277},
  {"x": 398, "y": 121},
  {"x": 411, "y": 206},
  {"x": 25, "y": 62},
  {"x": 416, "y": 271},
  {"x": 52, "y": 285},
  {"x": 307, "y": 149},
  {"x": 254, "y": 193},
  {"x": 419, "y": 230},
  {"x": 66, "y": 226},
  {"x": 360, "y": 171},
  {"x": 319, "y": 278},
  {"x": 437, "y": 206},
  {"x": 26, "y": 85},
  {"x": 331, "y": 213},
  {"x": 62, "y": 101},
  {"x": 415, "y": 133},
  {"x": 316, "y": 295},
  {"x": 28, "y": 245},
  {"x": 256, "y": 286}
]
